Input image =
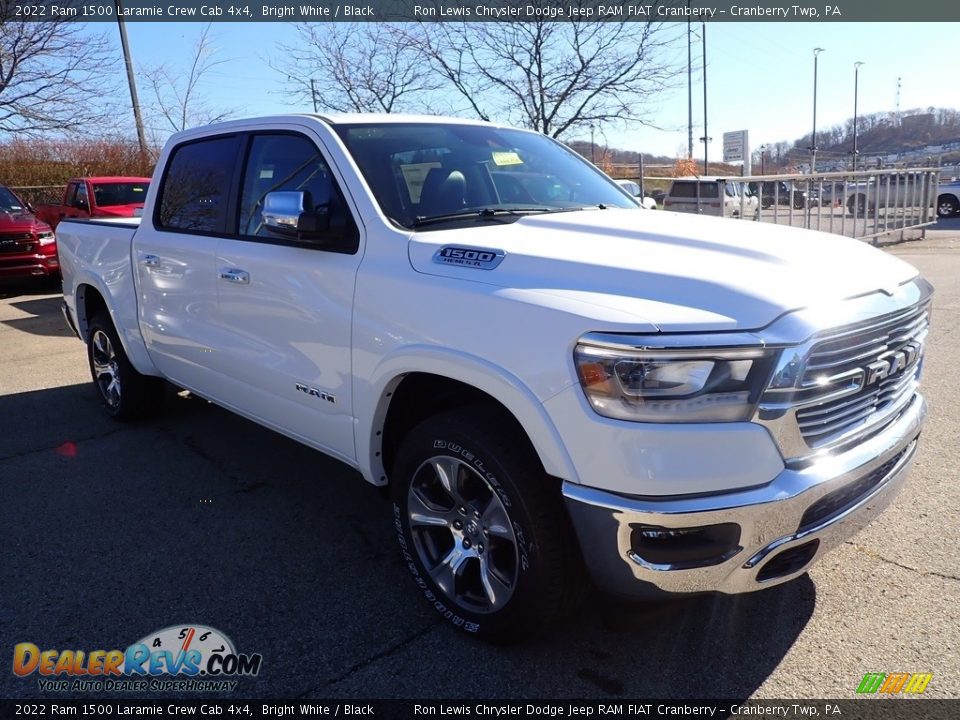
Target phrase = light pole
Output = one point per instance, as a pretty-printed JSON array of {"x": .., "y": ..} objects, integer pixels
[
  {"x": 689, "y": 93},
  {"x": 706, "y": 135},
  {"x": 593, "y": 156},
  {"x": 813, "y": 141},
  {"x": 763, "y": 157},
  {"x": 856, "y": 79}
]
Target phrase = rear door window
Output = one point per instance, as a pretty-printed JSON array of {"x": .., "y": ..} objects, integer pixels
[{"x": 196, "y": 186}]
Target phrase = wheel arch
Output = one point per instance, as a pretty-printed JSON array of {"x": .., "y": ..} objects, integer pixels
[
  {"x": 91, "y": 300},
  {"x": 410, "y": 389}
]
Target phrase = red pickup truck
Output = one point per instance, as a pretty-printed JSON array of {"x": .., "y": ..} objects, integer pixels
[
  {"x": 27, "y": 246},
  {"x": 97, "y": 197}
]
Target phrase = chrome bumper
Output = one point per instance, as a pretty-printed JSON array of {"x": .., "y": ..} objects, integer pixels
[{"x": 791, "y": 513}]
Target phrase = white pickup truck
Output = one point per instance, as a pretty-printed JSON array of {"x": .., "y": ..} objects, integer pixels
[{"x": 552, "y": 381}]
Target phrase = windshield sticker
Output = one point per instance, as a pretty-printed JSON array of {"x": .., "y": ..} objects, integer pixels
[
  {"x": 479, "y": 258},
  {"x": 506, "y": 158}
]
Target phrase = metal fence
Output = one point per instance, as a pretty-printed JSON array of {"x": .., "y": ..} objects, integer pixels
[{"x": 865, "y": 205}]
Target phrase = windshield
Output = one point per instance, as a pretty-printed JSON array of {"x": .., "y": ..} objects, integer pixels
[
  {"x": 9, "y": 202},
  {"x": 424, "y": 171},
  {"x": 120, "y": 193}
]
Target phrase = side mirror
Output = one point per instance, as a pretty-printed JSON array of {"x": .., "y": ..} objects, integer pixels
[{"x": 288, "y": 213}]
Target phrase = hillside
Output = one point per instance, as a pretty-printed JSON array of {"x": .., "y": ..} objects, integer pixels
[{"x": 922, "y": 136}]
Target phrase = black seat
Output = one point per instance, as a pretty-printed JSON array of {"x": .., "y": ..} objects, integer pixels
[{"x": 444, "y": 191}]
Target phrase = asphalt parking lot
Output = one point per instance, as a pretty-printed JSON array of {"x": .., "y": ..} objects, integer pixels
[{"x": 109, "y": 532}]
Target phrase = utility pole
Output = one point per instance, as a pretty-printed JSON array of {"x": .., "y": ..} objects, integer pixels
[
  {"x": 130, "y": 78},
  {"x": 313, "y": 94}
]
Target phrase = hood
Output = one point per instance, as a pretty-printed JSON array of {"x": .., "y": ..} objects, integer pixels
[
  {"x": 673, "y": 271},
  {"x": 21, "y": 222},
  {"x": 118, "y": 210}
]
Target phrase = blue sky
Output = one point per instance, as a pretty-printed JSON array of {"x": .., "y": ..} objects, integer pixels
[{"x": 760, "y": 75}]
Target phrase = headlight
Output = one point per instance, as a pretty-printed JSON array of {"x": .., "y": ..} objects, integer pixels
[
  {"x": 672, "y": 385},
  {"x": 46, "y": 238}
]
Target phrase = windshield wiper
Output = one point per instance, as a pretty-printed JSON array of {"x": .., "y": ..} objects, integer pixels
[{"x": 481, "y": 214}]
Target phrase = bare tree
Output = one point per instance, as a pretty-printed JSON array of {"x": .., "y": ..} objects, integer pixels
[
  {"x": 555, "y": 77},
  {"x": 176, "y": 98},
  {"x": 54, "y": 75},
  {"x": 356, "y": 67}
]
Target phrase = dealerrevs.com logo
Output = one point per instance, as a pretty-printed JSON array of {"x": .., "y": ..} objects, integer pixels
[{"x": 179, "y": 658}]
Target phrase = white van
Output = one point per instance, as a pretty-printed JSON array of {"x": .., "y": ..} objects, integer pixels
[{"x": 722, "y": 197}]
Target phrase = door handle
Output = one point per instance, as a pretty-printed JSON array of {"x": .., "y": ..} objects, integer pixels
[
  {"x": 233, "y": 275},
  {"x": 150, "y": 261}
]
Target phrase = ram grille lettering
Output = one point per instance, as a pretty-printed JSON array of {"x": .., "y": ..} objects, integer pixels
[{"x": 892, "y": 363}]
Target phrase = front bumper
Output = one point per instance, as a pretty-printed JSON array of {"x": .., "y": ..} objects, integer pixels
[
  {"x": 783, "y": 526},
  {"x": 25, "y": 265}
]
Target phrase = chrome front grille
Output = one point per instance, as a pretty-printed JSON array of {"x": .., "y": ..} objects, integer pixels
[
  {"x": 845, "y": 384},
  {"x": 875, "y": 364}
]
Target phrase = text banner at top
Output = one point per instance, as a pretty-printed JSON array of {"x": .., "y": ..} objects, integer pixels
[{"x": 476, "y": 11}]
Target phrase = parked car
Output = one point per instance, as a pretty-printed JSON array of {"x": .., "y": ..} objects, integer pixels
[
  {"x": 672, "y": 404},
  {"x": 634, "y": 189},
  {"x": 721, "y": 197},
  {"x": 97, "y": 197},
  {"x": 898, "y": 189},
  {"x": 780, "y": 192},
  {"x": 27, "y": 244},
  {"x": 948, "y": 199}
]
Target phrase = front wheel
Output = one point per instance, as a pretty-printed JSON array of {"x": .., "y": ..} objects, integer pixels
[
  {"x": 126, "y": 394},
  {"x": 947, "y": 206},
  {"x": 482, "y": 528}
]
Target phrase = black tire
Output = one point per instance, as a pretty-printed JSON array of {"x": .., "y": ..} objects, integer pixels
[
  {"x": 502, "y": 497},
  {"x": 857, "y": 205},
  {"x": 126, "y": 394},
  {"x": 947, "y": 206}
]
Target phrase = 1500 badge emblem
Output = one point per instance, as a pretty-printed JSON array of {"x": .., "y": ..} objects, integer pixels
[{"x": 480, "y": 258}]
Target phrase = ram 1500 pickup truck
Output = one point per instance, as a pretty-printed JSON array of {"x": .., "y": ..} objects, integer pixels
[
  {"x": 27, "y": 246},
  {"x": 97, "y": 197},
  {"x": 551, "y": 384}
]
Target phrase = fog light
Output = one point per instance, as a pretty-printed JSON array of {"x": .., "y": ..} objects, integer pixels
[{"x": 682, "y": 548}]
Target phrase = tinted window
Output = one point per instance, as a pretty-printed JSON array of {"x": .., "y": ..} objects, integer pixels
[
  {"x": 684, "y": 189},
  {"x": 196, "y": 186},
  {"x": 288, "y": 163},
  {"x": 125, "y": 193}
]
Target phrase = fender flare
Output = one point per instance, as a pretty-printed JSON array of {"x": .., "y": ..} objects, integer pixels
[{"x": 373, "y": 401}]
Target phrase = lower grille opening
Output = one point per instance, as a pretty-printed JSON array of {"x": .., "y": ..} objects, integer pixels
[
  {"x": 788, "y": 561},
  {"x": 684, "y": 548},
  {"x": 839, "y": 500}
]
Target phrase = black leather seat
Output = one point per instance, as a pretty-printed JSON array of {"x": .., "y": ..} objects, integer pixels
[{"x": 444, "y": 191}]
